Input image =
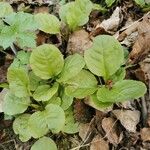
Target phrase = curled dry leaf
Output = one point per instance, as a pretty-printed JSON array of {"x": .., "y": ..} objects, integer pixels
[
  {"x": 99, "y": 144},
  {"x": 113, "y": 22},
  {"x": 86, "y": 130},
  {"x": 143, "y": 72},
  {"x": 145, "y": 134},
  {"x": 129, "y": 119},
  {"x": 129, "y": 29},
  {"x": 141, "y": 48},
  {"x": 78, "y": 42},
  {"x": 111, "y": 129}
]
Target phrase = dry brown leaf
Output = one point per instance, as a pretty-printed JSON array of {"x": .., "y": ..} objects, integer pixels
[
  {"x": 99, "y": 144},
  {"x": 42, "y": 9},
  {"x": 141, "y": 48},
  {"x": 78, "y": 42},
  {"x": 128, "y": 118},
  {"x": 145, "y": 134},
  {"x": 129, "y": 31},
  {"x": 111, "y": 130},
  {"x": 113, "y": 22},
  {"x": 143, "y": 73},
  {"x": 82, "y": 112},
  {"x": 84, "y": 130}
]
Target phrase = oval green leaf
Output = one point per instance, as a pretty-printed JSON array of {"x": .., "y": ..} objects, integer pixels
[
  {"x": 18, "y": 82},
  {"x": 82, "y": 85},
  {"x": 105, "y": 57},
  {"x": 52, "y": 118},
  {"x": 46, "y": 61},
  {"x": 21, "y": 127},
  {"x": 14, "y": 105},
  {"x": 48, "y": 23},
  {"x": 55, "y": 117},
  {"x": 93, "y": 101},
  {"x": 45, "y": 92},
  {"x": 122, "y": 91},
  {"x": 5, "y": 9},
  {"x": 76, "y": 13},
  {"x": 73, "y": 65},
  {"x": 44, "y": 143}
]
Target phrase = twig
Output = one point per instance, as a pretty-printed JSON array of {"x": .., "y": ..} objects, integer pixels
[
  {"x": 144, "y": 110},
  {"x": 88, "y": 144}
]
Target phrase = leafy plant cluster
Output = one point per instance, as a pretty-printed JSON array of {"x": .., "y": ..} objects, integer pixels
[{"x": 43, "y": 84}]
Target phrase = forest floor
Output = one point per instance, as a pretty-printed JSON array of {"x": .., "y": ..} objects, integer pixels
[{"x": 98, "y": 130}]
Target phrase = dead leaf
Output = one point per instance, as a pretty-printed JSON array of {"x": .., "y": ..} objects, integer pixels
[
  {"x": 99, "y": 144},
  {"x": 82, "y": 112},
  {"x": 78, "y": 42},
  {"x": 143, "y": 73},
  {"x": 141, "y": 48},
  {"x": 128, "y": 31},
  {"x": 111, "y": 130},
  {"x": 42, "y": 9},
  {"x": 2, "y": 95},
  {"x": 113, "y": 22},
  {"x": 128, "y": 118},
  {"x": 145, "y": 134}
]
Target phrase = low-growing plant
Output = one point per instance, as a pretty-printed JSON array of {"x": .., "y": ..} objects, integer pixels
[
  {"x": 20, "y": 28},
  {"x": 41, "y": 97},
  {"x": 43, "y": 84}
]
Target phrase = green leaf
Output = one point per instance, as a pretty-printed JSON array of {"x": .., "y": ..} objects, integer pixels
[
  {"x": 23, "y": 57},
  {"x": 26, "y": 39},
  {"x": 109, "y": 2},
  {"x": 44, "y": 143},
  {"x": 14, "y": 105},
  {"x": 46, "y": 61},
  {"x": 119, "y": 75},
  {"x": 37, "y": 124},
  {"x": 1, "y": 25},
  {"x": 18, "y": 82},
  {"x": 66, "y": 101},
  {"x": 21, "y": 127},
  {"x": 5, "y": 9},
  {"x": 22, "y": 21},
  {"x": 56, "y": 117},
  {"x": 95, "y": 103},
  {"x": 20, "y": 30},
  {"x": 47, "y": 23},
  {"x": 45, "y": 92},
  {"x": 70, "y": 127},
  {"x": 82, "y": 85},
  {"x": 76, "y": 13},
  {"x": 122, "y": 91},
  {"x": 73, "y": 65},
  {"x": 105, "y": 49},
  {"x": 7, "y": 36},
  {"x": 52, "y": 118},
  {"x": 141, "y": 3},
  {"x": 55, "y": 100},
  {"x": 34, "y": 81}
]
